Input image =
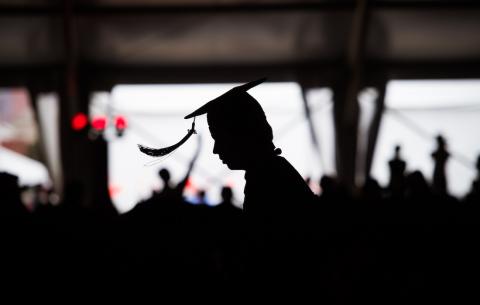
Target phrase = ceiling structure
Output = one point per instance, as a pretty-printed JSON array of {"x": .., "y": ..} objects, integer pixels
[
  {"x": 188, "y": 34},
  {"x": 75, "y": 47}
]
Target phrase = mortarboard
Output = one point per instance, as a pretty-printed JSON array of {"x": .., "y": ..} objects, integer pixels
[
  {"x": 225, "y": 98},
  {"x": 234, "y": 100}
]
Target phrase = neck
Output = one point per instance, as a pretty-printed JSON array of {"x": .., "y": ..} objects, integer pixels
[{"x": 259, "y": 161}]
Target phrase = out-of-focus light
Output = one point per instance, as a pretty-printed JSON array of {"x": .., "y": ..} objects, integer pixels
[
  {"x": 79, "y": 121},
  {"x": 113, "y": 190},
  {"x": 99, "y": 123},
  {"x": 230, "y": 183},
  {"x": 190, "y": 185},
  {"x": 120, "y": 122}
]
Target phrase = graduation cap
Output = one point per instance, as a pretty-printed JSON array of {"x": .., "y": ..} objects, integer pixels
[
  {"x": 227, "y": 108},
  {"x": 235, "y": 94}
]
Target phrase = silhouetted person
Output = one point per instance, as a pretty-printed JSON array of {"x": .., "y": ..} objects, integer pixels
[
  {"x": 397, "y": 166},
  {"x": 329, "y": 188},
  {"x": 477, "y": 166},
  {"x": 226, "y": 208},
  {"x": 169, "y": 200},
  {"x": 15, "y": 232},
  {"x": 202, "y": 198},
  {"x": 334, "y": 200},
  {"x": 40, "y": 196},
  {"x": 226, "y": 215},
  {"x": 227, "y": 196},
  {"x": 169, "y": 192},
  {"x": 471, "y": 208},
  {"x": 175, "y": 193},
  {"x": 440, "y": 155},
  {"x": 417, "y": 186},
  {"x": 164, "y": 175},
  {"x": 276, "y": 196},
  {"x": 371, "y": 191},
  {"x": 243, "y": 141},
  {"x": 11, "y": 207},
  {"x": 474, "y": 194},
  {"x": 274, "y": 190}
]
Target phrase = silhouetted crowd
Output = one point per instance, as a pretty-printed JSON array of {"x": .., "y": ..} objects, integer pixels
[{"x": 410, "y": 242}]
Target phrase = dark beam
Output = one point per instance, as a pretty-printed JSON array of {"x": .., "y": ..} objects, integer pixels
[
  {"x": 427, "y": 70},
  {"x": 102, "y": 76},
  {"x": 47, "y": 76},
  {"x": 135, "y": 10},
  {"x": 294, "y": 6},
  {"x": 346, "y": 109},
  {"x": 374, "y": 129},
  {"x": 43, "y": 78}
]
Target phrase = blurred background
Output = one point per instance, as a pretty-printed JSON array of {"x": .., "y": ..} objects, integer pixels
[
  {"x": 83, "y": 82},
  {"x": 376, "y": 103}
]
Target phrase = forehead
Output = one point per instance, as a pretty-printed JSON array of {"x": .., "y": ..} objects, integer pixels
[
  {"x": 223, "y": 127},
  {"x": 217, "y": 129}
]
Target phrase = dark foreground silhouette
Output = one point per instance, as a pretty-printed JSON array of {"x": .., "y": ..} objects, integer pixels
[
  {"x": 408, "y": 243},
  {"x": 402, "y": 246}
]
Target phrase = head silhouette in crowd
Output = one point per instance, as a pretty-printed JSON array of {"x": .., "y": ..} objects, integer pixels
[
  {"x": 165, "y": 176},
  {"x": 227, "y": 195},
  {"x": 239, "y": 127},
  {"x": 244, "y": 141},
  {"x": 238, "y": 124}
]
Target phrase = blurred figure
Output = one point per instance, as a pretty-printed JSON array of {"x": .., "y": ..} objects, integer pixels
[
  {"x": 226, "y": 207},
  {"x": 202, "y": 198},
  {"x": 166, "y": 206},
  {"x": 418, "y": 206},
  {"x": 470, "y": 209},
  {"x": 168, "y": 191},
  {"x": 417, "y": 187},
  {"x": 474, "y": 194},
  {"x": 333, "y": 191},
  {"x": 396, "y": 186},
  {"x": 227, "y": 196},
  {"x": 440, "y": 155},
  {"x": 328, "y": 187},
  {"x": 41, "y": 199},
  {"x": 371, "y": 191},
  {"x": 11, "y": 206},
  {"x": 175, "y": 192}
]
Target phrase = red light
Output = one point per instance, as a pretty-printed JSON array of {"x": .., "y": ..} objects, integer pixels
[
  {"x": 79, "y": 121},
  {"x": 189, "y": 185},
  {"x": 230, "y": 183},
  {"x": 120, "y": 122},
  {"x": 99, "y": 123},
  {"x": 113, "y": 190}
]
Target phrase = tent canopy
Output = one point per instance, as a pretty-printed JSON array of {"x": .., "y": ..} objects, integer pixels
[{"x": 187, "y": 33}]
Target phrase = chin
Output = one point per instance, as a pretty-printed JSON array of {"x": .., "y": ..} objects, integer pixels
[
  {"x": 230, "y": 166},
  {"x": 233, "y": 166}
]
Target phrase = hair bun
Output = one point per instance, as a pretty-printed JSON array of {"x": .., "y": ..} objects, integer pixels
[{"x": 277, "y": 151}]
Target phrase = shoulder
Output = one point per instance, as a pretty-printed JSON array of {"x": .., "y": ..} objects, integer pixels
[
  {"x": 277, "y": 174},
  {"x": 286, "y": 177},
  {"x": 281, "y": 168}
]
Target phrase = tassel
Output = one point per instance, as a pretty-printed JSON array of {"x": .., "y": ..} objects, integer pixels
[{"x": 159, "y": 152}]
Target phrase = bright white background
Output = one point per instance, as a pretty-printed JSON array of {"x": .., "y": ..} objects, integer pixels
[
  {"x": 419, "y": 110},
  {"x": 155, "y": 118}
]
